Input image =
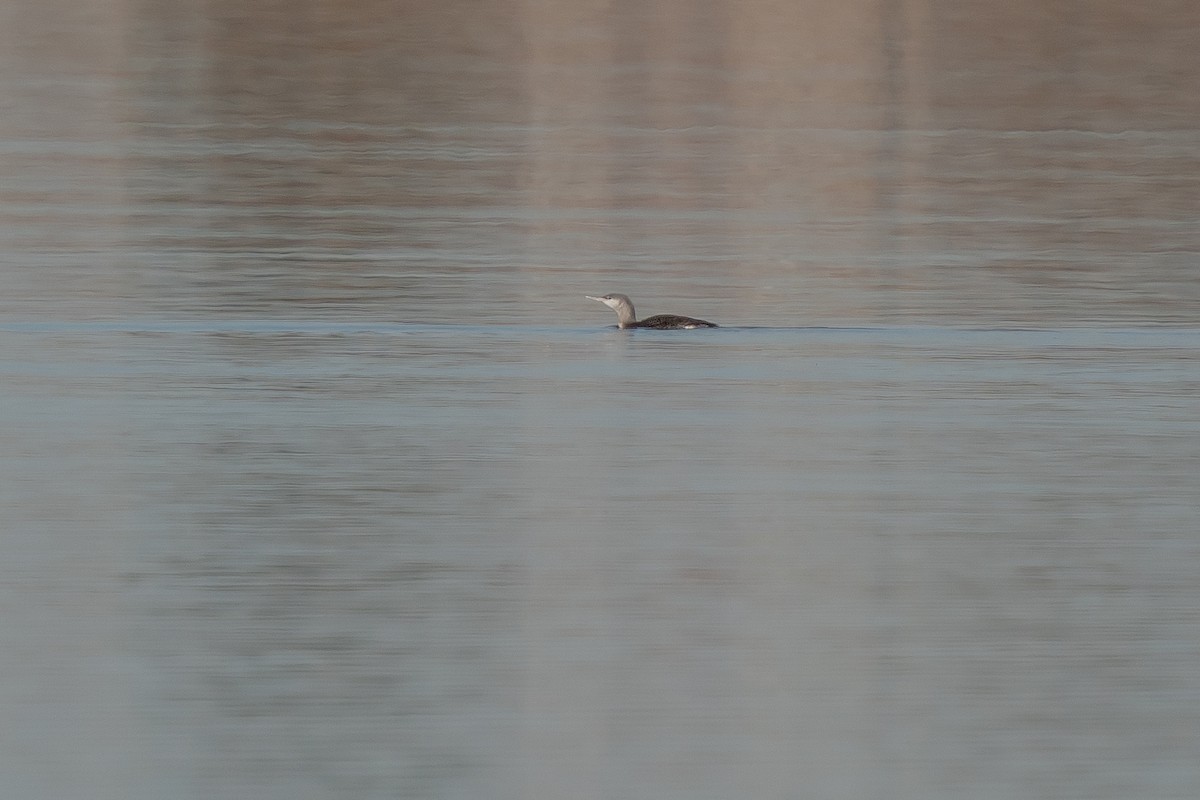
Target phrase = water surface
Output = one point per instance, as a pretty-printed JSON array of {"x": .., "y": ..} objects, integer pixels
[{"x": 321, "y": 477}]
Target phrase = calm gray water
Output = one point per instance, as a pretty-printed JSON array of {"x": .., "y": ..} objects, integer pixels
[{"x": 321, "y": 478}]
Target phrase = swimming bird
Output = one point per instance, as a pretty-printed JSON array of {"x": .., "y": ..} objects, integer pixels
[{"x": 626, "y": 318}]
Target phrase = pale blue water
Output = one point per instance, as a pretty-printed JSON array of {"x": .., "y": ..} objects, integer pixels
[{"x": 321, "y": 477}]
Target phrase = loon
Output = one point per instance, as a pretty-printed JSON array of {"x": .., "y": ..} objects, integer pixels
[{"x": 661, "y": 322}]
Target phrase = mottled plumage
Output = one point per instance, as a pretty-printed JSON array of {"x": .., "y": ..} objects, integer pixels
[{"x": 626, "y": 318}]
